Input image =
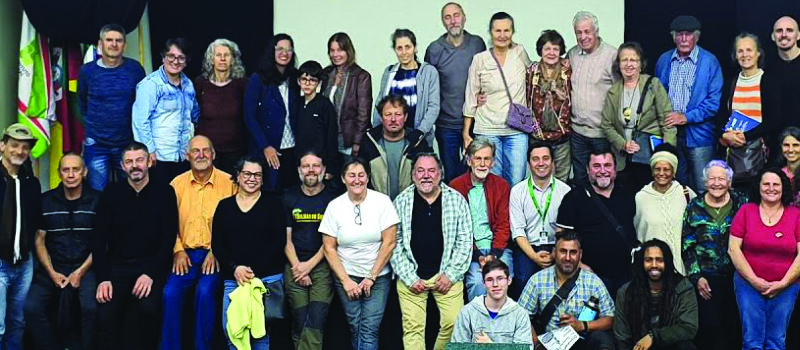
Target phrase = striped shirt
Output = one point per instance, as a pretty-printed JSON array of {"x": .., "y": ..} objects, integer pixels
[
  {"x": 747, "y": 95},
  {"x": 405, "y": 84},
  {"x": 681, "y": 79},
  {"x": 592, "y": 77}
]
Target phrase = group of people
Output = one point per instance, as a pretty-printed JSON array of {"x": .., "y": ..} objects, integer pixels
[{"x": 624, "y": 226}]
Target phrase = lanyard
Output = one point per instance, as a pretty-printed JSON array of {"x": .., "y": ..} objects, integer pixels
[{"x": 542, "y": 213}]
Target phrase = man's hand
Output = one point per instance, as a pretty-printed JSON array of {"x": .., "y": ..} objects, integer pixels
[
  {"x": 543, "y": 259},
  {"x": 675, "y": 119},
  {"x": 301, "y": 270},
  {"x": 272, "y": 157},
  {"x": 418, "y": 287},
  {"x": 181, "y": 263},
  {"x": 482, "y": 338},
  {"x": 572, "y": 321},
  {"x": 75, "y": 278},
  {"x": 631, "y": 147},
  {"x": 644, "y": 343},
  {"x": 304, "y": 282},
  {"x": 143, "y": 286},
  {"x": 442, "y": 284},
  {"x": 104, "y": 292},
  {"x": 585, "y": 267},
  {"x": 210, "y": 264},
  {"x": 703, "y": 288},
  {"x": 59, "y": 279},
  {"x": 242, "y": 274}
]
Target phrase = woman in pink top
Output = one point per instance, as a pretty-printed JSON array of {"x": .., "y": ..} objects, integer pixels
[{"x": 763, "y": 247}]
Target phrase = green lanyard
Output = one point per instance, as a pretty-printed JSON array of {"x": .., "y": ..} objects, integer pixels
[{"x": 542, "y": 213}]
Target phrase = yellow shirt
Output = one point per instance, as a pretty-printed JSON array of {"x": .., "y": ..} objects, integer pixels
[{"x": 196, "y": 205}]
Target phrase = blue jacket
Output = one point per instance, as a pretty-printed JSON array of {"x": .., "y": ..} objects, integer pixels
[
  {"x": 704, "y": 101},
  {"x": 163, "y": 115}
]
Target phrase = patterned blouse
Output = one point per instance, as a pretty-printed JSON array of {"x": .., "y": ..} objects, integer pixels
[{"x": 550, "y": 100}]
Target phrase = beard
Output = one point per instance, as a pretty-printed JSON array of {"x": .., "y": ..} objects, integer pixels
[
  {"x": 481, "y": 174},
  {"x": 311, "y": 180},
  {"x": 603, "y": 182}
]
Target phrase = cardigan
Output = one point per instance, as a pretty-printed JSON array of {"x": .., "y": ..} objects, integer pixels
[{"x": 497, "y": 194}]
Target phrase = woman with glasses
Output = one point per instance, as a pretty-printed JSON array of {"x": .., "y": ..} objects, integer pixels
[
  {"x": 249, "y": 234},
  {"x": 360, "y": 231},
  {"x": 270, "y": 92}
]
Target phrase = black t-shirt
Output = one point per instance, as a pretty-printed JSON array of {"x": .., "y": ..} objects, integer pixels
[
  {"x": 788, "y": 72},
  {"x": 304, "y": 213},
  {"x": 604, "y": 250},
  {"x": 427, "y": 239}
]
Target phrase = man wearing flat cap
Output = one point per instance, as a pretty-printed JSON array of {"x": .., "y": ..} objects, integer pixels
[
  {"x": 20, "y": 212},
  {"x": 693, "y": 79}
]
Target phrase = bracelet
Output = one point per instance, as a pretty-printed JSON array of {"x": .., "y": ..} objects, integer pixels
[{"x": 585, "y": 327}]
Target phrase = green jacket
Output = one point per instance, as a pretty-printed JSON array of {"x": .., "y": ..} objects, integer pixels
[
  {"x": 654, "y": 111},
  {"x": 683, "y": 327}
]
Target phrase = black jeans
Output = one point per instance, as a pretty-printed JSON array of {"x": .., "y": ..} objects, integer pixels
[
  {"x": 127, "y": 322},
  {"x": 163, "y": 172},
  {"x": 719, "y": 327}
]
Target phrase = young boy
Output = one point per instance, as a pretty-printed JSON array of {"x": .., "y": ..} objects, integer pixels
[{"x": 317, "y": 126}]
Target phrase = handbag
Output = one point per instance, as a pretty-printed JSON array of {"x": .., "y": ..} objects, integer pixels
[
  {"x": 520, "y": 117},
  {"x": 274, "y": 305},
  {"x": 747, "y": 161}
]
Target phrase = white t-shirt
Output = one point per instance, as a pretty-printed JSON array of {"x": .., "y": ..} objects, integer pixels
[{"x": 358, "y": 245}]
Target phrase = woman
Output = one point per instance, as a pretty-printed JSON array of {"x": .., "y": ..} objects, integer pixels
[
  {"x": 790, "y": 162},
  {"x": 349, "y": 87},
  {"x": 764, "y": 242},
  {"x": 753, "y": 94},
  {"x": 249, "y": 236},
  {"x": 417, "y": 82},
  {"x": 660, "y": 205},
  {"x": 490, "y": 118},
  {"x": 270, "y": 92},
  {"x": 548, "y": 89},
  {"x": 633, "y": 116},
  {"x": 360, "y": 230},
  {"x": 220, "y": 94}
]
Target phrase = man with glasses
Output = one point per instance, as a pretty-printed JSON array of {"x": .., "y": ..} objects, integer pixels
[
  {"x": 165, "y": 112},
  {"x": 432, "y": 252},
  {"x": 193, "y": 264}
]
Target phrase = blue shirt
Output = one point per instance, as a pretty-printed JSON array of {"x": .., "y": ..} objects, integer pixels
[{"x": 681, "y": 78}]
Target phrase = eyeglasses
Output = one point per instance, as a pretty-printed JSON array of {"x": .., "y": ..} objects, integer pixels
[
  {"x": 279, "y": 49},
  {"x": 357, "y": 211},
  {"x": 173, "y": 58},
  {"x": 309, "y": 81},
  {"x": 247, "y": 175}
]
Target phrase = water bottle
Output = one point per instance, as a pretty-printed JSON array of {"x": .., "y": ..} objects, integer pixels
[{"x": 590, "y": 310}]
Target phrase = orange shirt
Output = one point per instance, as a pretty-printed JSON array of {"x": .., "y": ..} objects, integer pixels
[{"x": 196, "y": 205}]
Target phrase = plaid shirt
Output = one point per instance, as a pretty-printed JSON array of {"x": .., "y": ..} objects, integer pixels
[
  {"x": 681, "y": 79},
  {"x": 543, "y": 286},
  {"x": 457, "y": 231}
]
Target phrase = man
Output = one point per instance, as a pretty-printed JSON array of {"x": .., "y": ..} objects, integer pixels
[
  {"x": 307, "y": 276},
  {"x": 533, "y": 208},
  {"x": 63, "y": 247},
  {"x": 20, "y": 216},
  {"x": 137, "y": 222},
  {"x": 432, "y": 252},
  {"x": 658, "y": 308},
  {"x": 193, "y": 264},
  {"x": 106, "y": 91},
  {"x": 487, "y": 195},
  {"x": 786, "y": 66},
  {"x": 164, "y": 113},
  {"x": 693, "y": 79},
  {"x": 494, "y": 318},
  {"x": 451, "y": 54},
  {"x": 553, "y": 285},
  {"x": 592, "y": 77},
  {"x": 389, "y": 152},
  {"x": 602, "y": 215}
]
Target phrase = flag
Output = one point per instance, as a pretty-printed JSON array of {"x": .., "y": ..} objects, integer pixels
[{"x": 35, "y": 105}]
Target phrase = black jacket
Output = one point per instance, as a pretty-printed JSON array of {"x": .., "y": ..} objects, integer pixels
[
  {"x": 317, "y": 130},
  {"x": 68, "y": 226},
  {"x": 30, "y": 196}
]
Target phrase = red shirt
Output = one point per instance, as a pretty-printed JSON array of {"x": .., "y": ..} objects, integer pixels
[{"x": 770, "y": 250}]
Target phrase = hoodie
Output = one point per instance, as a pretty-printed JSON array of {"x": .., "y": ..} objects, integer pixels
[
  {"x": 511, "y": 326},
  {"x": 660, "y": 215}
]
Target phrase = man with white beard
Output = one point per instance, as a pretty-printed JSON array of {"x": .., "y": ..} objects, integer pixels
[
  {"x": 602, "y": 214},
  {"x": 487, "y": 195}
]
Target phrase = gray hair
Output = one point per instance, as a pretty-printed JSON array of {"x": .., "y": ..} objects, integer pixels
[
  {"x": 427, "y": 155},
  {"x": 479, "y": 144},
  {"x": 112, "y": 27},
  {"x": 584, "y": 15},
  {"x": 237, "y": 68},
  {"x": 719, "y": 163},
  {"x": 696, "y": 34}
]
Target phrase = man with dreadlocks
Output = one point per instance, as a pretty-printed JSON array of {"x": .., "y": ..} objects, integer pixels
[{"x": 657, "y": 309}]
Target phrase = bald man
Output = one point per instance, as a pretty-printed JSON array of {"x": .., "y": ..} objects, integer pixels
[
  {"x": 786, "y": 67},
  {"x": 198, "y": 191}
]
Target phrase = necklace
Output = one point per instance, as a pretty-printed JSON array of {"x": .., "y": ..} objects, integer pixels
[
  {"x": 722, "y": 203},
  {"x": 627, "y": 112},
  {"x": 769, "y": 217}
]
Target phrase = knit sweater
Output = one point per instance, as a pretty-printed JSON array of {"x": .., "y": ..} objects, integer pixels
[{"x": 660, "y": 215}]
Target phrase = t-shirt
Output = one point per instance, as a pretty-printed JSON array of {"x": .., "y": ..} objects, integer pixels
[
  {"x": 769, "y": 250},
  {"x": 788, "y": 72},
  {"x": 394, "y": 154},
  {"x": 427, "y": 239},
  {"x": 404, "y": 84},
  {"x": 358, "y": 245},
  {"x": 481, "y": 231},
  {"x": 304, "y": 213}
]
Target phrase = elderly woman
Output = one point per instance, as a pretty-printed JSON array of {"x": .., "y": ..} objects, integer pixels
[
  {"x": 498, "y": 74},
  {"x": 706, "y": 228},
  {"x": 220, "y": 94},
  {"x": 360, "y": 232},
  {"x": 660, "y": 204},
  {"x": 548, "y": 89},
  {"x": 764, "y": 243},
  {"x": 417, "y": 83},
  {"x": 633, "y": 116},
  {"x": 249, "y": 235},
  {"x": 349, "y": 87}
]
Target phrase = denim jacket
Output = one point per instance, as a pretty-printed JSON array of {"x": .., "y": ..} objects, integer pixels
[{"x": 164, "y": 115}]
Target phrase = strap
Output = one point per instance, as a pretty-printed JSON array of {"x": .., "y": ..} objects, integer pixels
[
  {"x": 505, "y": 84},
  {"x": 641, "y": 98},
  {"x": 686, "y": 194},
  {"x": 561, "y": 294},
  {"x": 613, "y": 221}
]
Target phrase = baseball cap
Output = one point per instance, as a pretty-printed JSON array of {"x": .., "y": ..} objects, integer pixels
[{"x": 18, "y": 131}]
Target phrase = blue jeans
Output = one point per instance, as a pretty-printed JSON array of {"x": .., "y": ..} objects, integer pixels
[
  {"x": 15, "y": 280},
  {"x": 255, "y": 344},
  {"x": 524, "y": 268},
  {"x": 450, "y": 143},
  {"x": 764, "y": 320},
  {"x": 100, "y": 162},
  {"x": 509, "y": 156},
  {"x": 691, "y": 161},
  {"x": 364, "y": 315},
  {"x": 474, "y": 278},
  {"x": 204, "y": 304},
  {"x": 581, "y": 147}
]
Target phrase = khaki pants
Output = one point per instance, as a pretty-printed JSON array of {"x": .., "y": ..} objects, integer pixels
[{"x": 413, "y": 308}]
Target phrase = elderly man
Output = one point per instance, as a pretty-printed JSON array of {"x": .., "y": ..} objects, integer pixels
[
  {"x": 193, "y": 264},
  {"x": 432, "y": 252},
  {"x": 693, "y": 79},
  {"x": 592, "y": 77},
  {"x": 451, "y": 54}
]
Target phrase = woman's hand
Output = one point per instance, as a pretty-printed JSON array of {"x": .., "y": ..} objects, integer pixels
[
  {"x": 352, "y": 289},
  {"x": 760, "y": 284},
  {"x": 242, "y": 274},
  {"x": 703, "y": 288},
  {"x": 631, "y": 147},
  {"x": 733, "y": 138},
  {"x": 366, "y": 286},
  {"x": 774, "y": 289}
]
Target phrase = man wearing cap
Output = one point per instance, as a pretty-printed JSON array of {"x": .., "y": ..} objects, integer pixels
[
  {"x": 693, "y": 79},
  {"x": 20, "y": 214}
]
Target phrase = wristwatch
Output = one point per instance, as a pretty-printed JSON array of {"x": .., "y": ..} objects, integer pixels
[{"x": 370, "y": 277}]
